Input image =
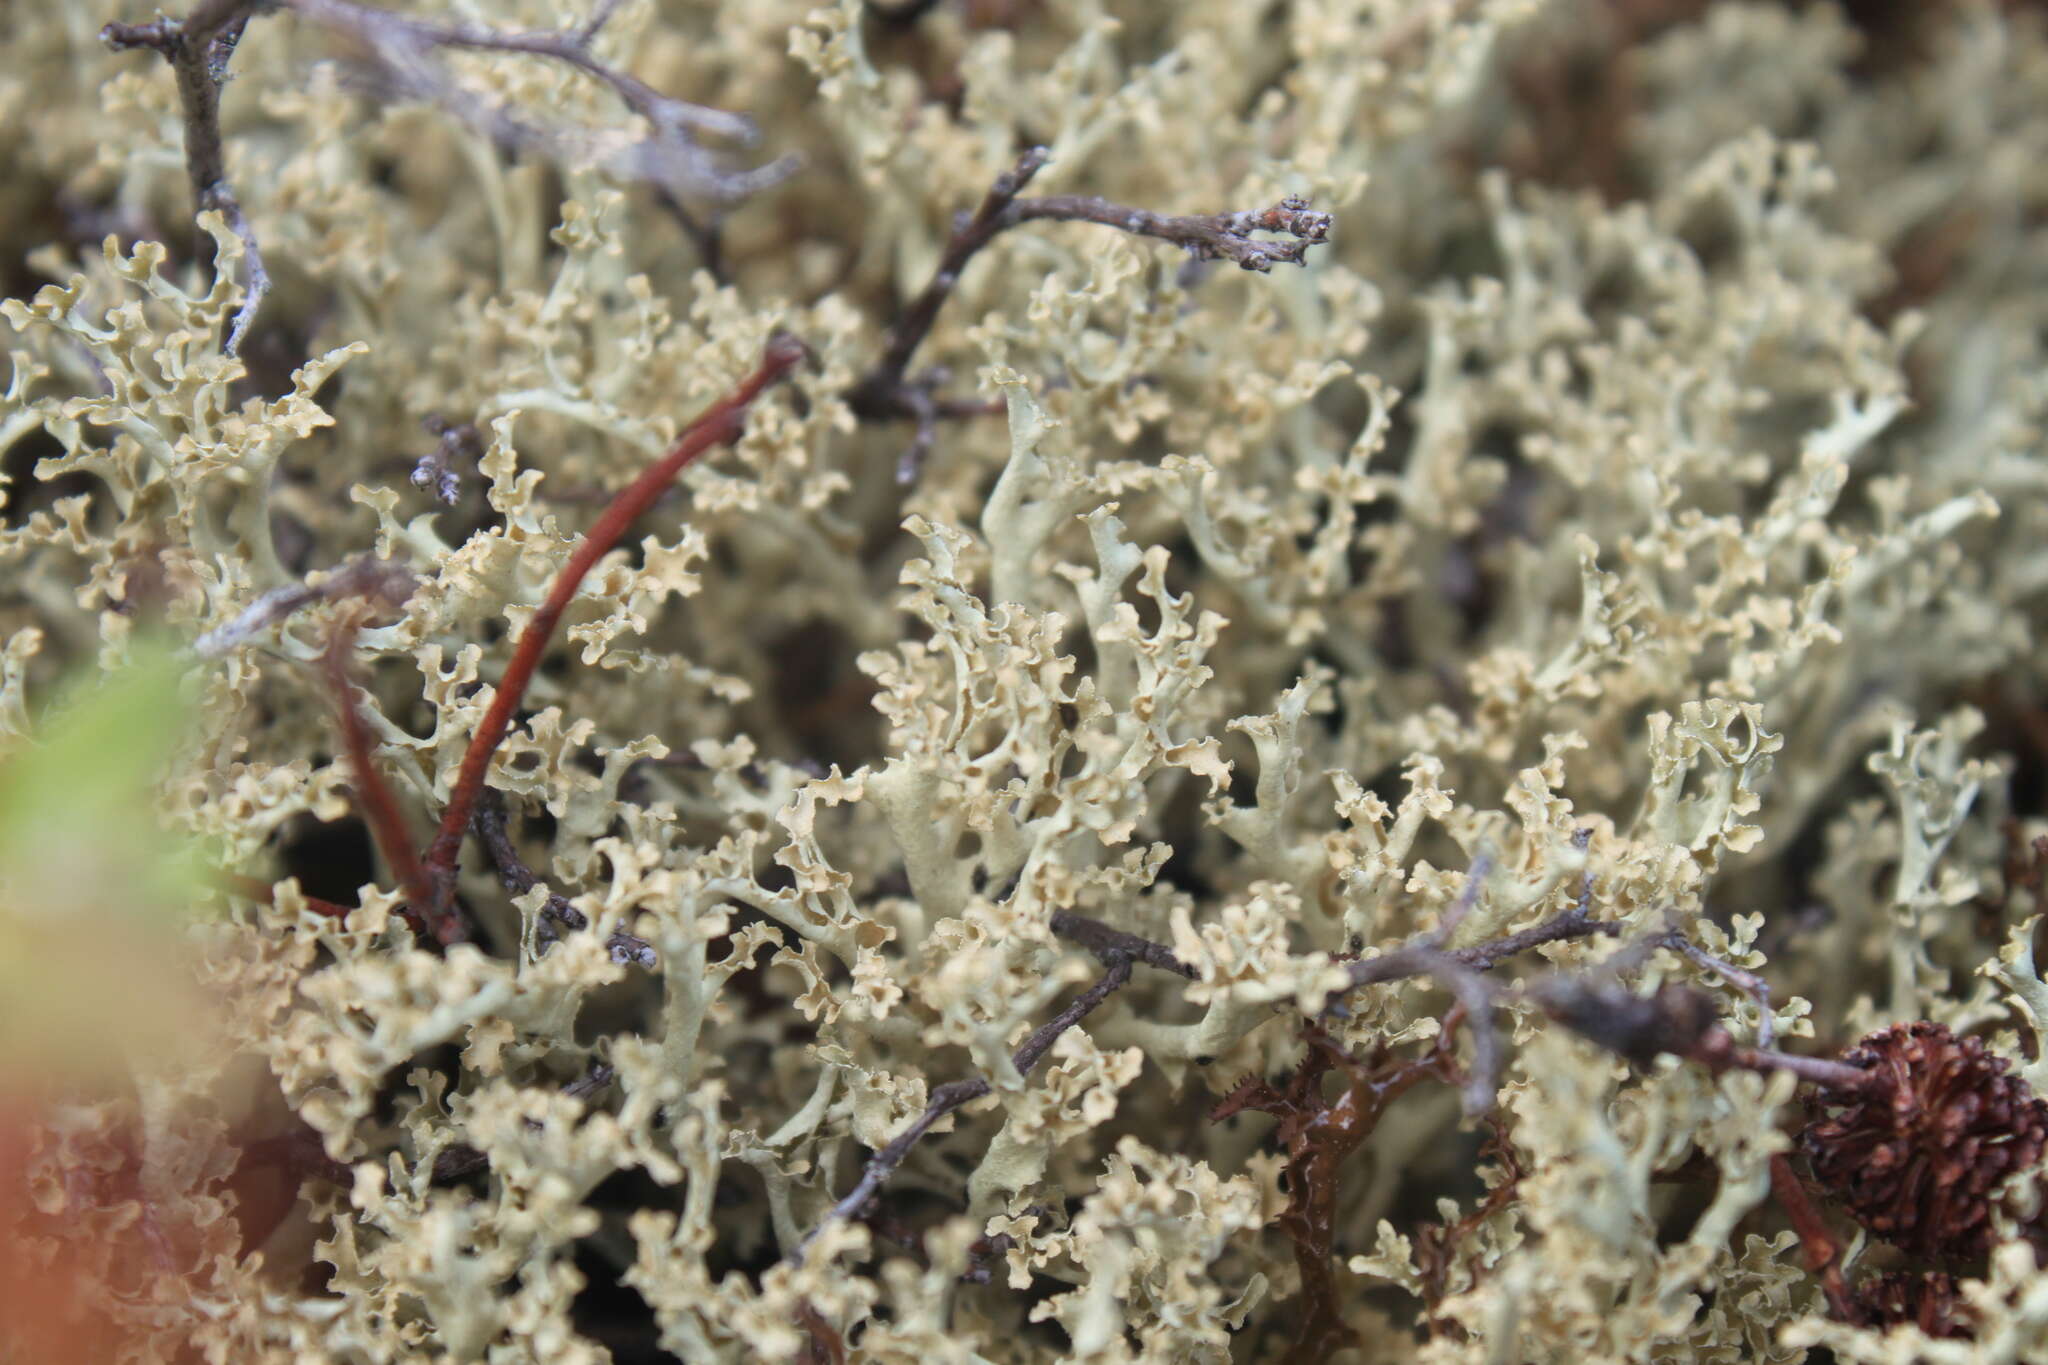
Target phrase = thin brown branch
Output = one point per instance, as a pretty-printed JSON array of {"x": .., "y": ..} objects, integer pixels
[
  {"x": 887, "y": 393},
  {"x": 405, "y": 51},
  {"x": 1748, "y": 982},
  {"x": 1436, "y": 1244},
  {"x": 952, "y": 1095},
  {"x": 364, "y": 576},
  {"x": 198, "y": 48},
  {"x": 1823, "y": 1256},
  {"x": 717, "y": 425},
  {"x": 256, "y": 889},
  {"x": 515, "y": 876},
  {"x": 1107, "y": 943},
  {"x": 1320, "y": 1135}
]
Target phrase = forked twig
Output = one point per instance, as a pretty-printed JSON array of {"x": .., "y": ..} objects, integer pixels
[
  {"x": 515, "y": 876},
  {"x": 886, "y": 393},
  {"x": 405, "y": 49},
  {"x": 364, "y": 576},
  {"x": 198, "y": 48},
  {"x": 952, "y": 1095}
]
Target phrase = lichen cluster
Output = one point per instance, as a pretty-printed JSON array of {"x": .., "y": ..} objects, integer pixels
[{"x": 926, "y": 905}]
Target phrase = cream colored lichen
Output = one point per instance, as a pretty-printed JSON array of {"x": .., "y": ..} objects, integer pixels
[{"x": 1678, "y": 549}]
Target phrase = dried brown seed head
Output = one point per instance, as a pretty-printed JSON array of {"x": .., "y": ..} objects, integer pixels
[
  {"x": 1929, "y": 1302},
  {"x": 1920, "y": 1162}
]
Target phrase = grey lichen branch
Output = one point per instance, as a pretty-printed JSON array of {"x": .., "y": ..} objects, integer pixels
[
  {"x": 887, "y": 392},
  {"x": 198, "y": 48},
  {"x": 951, "y": 1096}
]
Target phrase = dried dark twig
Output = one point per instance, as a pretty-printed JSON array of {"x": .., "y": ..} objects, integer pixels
[
  {"x": 903, "y": 14},
  {"x": 198, "y": 48},
  {"x": 887, "y": 393},
  {"x": 1107, "y": 943},
  {"x": 405, "y": 52},
  {"x": 1678, "y": 1021},
  {"x": 557, "y": 914},
  {"x": 1421, "y": 960},
  {"x": 1823, "y": 1256},
  {"x": 490, "y": 825},
  {"x": 460, "y": 1159},
  {"x": 1744, "y": 980},
  {"x": 824, "y": 1344},
  {"x": 952, "y": 1095},
  {"x": 1436, "y": 1244},
  {"x": 365, "y": 576},
  {"x": 1461, "y": 972}
]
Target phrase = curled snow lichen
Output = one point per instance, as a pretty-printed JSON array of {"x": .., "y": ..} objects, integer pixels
[{"x": 1122, "y": 808}]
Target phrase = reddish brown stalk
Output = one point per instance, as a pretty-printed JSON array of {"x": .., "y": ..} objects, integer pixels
[
  {"x": 823, "y": 1343},
  {"x": 256, "y": 889},
  {"x": 374, "y": 799},
  {"x": 1436, "y": 1244},
  {"x": 1320, "y": 1135},
  {"x": 721, "y": 423},
  {"x": 1823, "y": 1257}
]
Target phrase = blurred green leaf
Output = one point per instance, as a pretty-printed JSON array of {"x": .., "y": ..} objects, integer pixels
[{"x": 94, "y": 882}]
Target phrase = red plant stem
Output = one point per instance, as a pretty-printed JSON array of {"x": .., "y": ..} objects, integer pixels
[
  {"x": 1823, "y": 1257},
  {"x": 720, "y": 423},
  {"x": 256, "y": 889},
  {"x": 379, "y": 807}
]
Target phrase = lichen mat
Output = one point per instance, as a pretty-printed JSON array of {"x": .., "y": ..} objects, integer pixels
[{"x": 1022, "y": 681}]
